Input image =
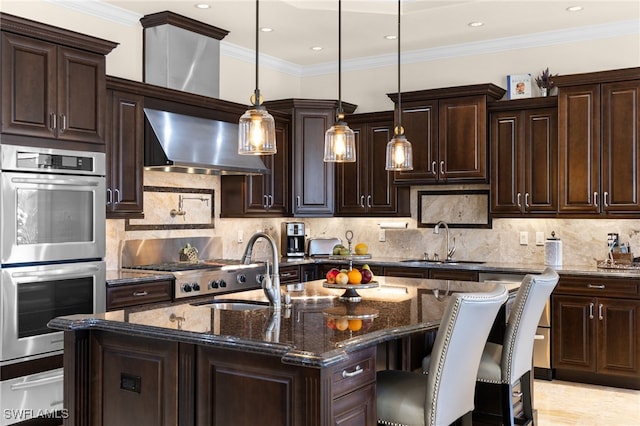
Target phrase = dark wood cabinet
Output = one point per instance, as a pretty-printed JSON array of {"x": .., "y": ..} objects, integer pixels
[
  {"x": 261, "y": 195},
  {"x": 524, "y": 163},
  {"x": 596, "y": 330},
  {"x": 599, "y": 158},
  {"x": 53, "y": 84},
  {"x": 448, "y": 130},
  {"x": 365, "y": 188},
  {"x": 453, "y": 274},
  {"x": 400, "y": 271},
  {"x": 135, "y": 294},
  {"x": 125, "y": 151},
  {"x": 312, "y": 180}
]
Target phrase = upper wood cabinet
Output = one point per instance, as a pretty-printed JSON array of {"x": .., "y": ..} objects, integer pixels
[
  {"x": 53, "y": 84},
  {"x": 261, "y": 195},
  {"x": 599, "y": 152},
  {"x": 448, "y": 130},
  {"x": 365, "y": 188},
  {"x": 524, "y": 164},
  {"x": 312, "y": 180},
  {"x": 125, "y": 151}
]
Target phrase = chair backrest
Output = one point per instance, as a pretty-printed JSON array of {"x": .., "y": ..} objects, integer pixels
[
  {"x": 517, "y": 347},
  {"x": 455, "y": 356}
]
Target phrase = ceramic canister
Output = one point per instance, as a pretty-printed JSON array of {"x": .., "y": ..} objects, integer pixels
[{"x": 553, "y": 251}]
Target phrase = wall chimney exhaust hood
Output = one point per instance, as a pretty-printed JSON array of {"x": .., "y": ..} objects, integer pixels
[{"x": 187, "y": 144}]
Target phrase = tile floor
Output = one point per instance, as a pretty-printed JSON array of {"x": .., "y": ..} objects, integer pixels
[{"x": 567, "y": 403}]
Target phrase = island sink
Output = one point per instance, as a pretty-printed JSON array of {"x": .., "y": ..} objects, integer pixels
[
  {"x": 448, "y": 262},
  {"x": 233, "y": 304}
]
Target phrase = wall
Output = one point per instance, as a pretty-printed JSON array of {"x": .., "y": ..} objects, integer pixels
[{"x": 584, "y": 240}]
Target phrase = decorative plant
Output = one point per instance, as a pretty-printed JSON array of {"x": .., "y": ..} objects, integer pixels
[{"x": 544, "y": 80}]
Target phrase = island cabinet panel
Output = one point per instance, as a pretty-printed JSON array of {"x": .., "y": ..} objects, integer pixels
[
  {"x": 596, "y": 330},
  {"x": 453, "y": 274},
  {"x": 136, "y": 381},
  {"x": 599, "y": 146}
]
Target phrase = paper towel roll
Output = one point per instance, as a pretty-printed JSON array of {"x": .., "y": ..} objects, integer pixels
[
  {"x": 393, "y": 225},
  {"x": 553, "y": 252}
]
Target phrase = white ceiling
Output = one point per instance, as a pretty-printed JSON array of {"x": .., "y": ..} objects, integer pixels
[{"x": 426, "y": 24}]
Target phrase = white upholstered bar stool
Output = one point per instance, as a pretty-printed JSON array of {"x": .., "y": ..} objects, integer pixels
[
  {"x": 503, "y": 365},
  {"x": 445, "y": 394}
]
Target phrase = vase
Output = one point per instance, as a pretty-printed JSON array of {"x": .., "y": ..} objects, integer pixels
[{"x": 544, "y": 91}]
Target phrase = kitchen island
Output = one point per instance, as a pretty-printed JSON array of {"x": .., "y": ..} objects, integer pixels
[{"x": 227, "y": 363}]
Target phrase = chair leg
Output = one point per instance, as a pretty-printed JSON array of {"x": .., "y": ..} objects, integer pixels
[
  {"x": 466, "y": 420},
  {"x": 506, "y": 392},
  {"x": 527, "y": 395}
]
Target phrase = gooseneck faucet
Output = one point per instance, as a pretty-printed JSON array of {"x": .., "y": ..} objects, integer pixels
[
  {"x": 436, "y": 230},
  {"x": 270, "y": 283}
]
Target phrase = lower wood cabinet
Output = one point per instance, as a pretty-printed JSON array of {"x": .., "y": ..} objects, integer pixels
[
  {"x": 119, "y": 297},
  {"x": 596, "y": 331},
  {"x": 453, "y": 274}
]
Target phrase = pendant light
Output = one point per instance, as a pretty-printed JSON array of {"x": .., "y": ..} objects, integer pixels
[
  {"x": 399, "y": 152},
  {"x": 339, "y": 140},
  {"x": 257, "y": 132}
]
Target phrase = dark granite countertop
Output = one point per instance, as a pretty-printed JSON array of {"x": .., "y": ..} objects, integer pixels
[
  {"x": 120, "y": 277},
  {"x": 304, "y": 334}
]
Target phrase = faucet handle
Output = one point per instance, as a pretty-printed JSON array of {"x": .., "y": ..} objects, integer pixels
[{"x": 436, "y": 257}]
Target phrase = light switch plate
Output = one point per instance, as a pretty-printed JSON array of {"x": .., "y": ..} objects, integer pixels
[
  {"x": 382, "y": 236},
  {"x": 524, "y": 238},
  {"x": 539, "y": 238}
]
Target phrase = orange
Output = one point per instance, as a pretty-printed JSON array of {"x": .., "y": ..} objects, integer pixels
[
  {"x": 355, "y": 276},
  {"x": 355, "y": 324}
]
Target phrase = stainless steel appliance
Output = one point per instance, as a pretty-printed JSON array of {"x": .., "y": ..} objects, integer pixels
[
  {"x": 192, "y": 279},
  {"x": 52, "y": 219},
  {"x": 292, "y": 239},
  {"x": 53, "y": 205},
  {"x": 542, "y": 344}
]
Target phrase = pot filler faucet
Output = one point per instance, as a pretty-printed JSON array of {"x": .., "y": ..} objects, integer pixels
[
  {"x": 436, "y": 230},
  {"x": 270, "y": 283}
]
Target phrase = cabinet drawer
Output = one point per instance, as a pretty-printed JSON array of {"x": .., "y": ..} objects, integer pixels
[
  {"x": 353, "y": 373},
  {"x": 598, "y": 286},
  {"x": 290, "y": 274},
  {"x": 138, "y": 294},
  {"x": 453, "y": 274}
]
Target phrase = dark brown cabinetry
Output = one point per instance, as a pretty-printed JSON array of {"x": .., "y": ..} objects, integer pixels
[
  {"x": 261, "y": 195},
  {"x": 125, "y": 151},
  {"x": 453, "y": 274},
  {"x": 524, "y": 164},
  {"x": 596, "y": 330},
  {"x": 399, "y": 271},
  {"x": 365, "y": 188},
  {"x": 127, "y": 295},
  {"x": 599, "y": 155},
  {"x": 448, "y": 130},
  {"x": 53, "y": 84},
  {"x": 312, "y": 181}
]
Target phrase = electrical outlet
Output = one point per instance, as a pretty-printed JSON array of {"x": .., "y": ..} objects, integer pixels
[
  {"x": 524, "y": 238},
  {"x": 539, "y": 238},
  {"x": 382, "y": 236},
  {"x": 240, "y": 236}
]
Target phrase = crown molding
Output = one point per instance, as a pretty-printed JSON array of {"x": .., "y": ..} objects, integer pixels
[{"x": 101, "y": 10}]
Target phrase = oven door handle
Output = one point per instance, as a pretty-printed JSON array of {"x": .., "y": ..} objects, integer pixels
[
  {"x": 55, "y": 181},
  {"x": 58, "y": 272},
  {"x": 37, "y": 382}
]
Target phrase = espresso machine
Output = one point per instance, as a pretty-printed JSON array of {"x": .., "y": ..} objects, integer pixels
[{"x": 292, "y": 239}]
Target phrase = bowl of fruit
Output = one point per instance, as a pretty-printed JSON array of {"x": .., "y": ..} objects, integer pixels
[{"x": 350, "y": 280}]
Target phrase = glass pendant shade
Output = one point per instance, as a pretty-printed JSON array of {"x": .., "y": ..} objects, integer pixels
[
  {"x": 257, "y": 132},
  {"x": 399, "y": 154},
  {"x": 340, "y": 144}
]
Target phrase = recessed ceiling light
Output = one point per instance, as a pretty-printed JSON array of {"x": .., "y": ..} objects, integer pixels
[
  {"x": 202, "y": 6},
  {"x": 476, "y": 24},
  {"x": 316, "y": 48},
  {"x": 390, "y": 37},
  {"x": 266, "y": 29},
  {"x": 574, "y": 9}
]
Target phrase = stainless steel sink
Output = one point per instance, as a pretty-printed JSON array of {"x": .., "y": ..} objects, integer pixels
[
  {"x": 233, "y": 304},
  {"x": 448, "y": 262}
]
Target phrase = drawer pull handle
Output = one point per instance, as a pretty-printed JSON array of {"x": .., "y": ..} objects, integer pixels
[
  {"x": 346, "y": 374},
  {"x": 598, "y": 286},
  {"x": 140, "y": 293},
  {"x": 517, "y": 394},
  {"x": 590, "y": 310}
]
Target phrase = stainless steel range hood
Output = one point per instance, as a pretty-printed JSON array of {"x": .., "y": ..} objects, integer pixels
[{"x": 188, "y": 144}]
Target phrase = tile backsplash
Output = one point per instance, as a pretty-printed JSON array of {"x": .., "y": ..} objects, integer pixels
[{"x": 584, "y": 240}]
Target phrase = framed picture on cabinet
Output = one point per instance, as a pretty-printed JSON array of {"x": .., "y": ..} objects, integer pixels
[{"x": 518, "y": 86}]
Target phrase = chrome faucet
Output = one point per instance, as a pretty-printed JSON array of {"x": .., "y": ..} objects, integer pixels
[
  {"x": 270, "y": 282},
  {"x": 452, "y": 250}
]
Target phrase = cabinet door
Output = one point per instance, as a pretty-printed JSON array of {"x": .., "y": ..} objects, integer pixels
[
  {"x": 28, "y": 86},
  {"x": 357, "y": 408},
  {"x": 399, "y": 271},
  {"x": 81, "y": 95},
  {"x": 420, "y": 122},
  {"x": 540, "y": 160},
  {"x": 312, "y": 177},
  {"x": 462, "y": 139},
  {"x": 621, "y": 146},
  {"x": 351, "y": 187},
  {"x": 381, "y": 192},
  {"x": 124, "y": 148},
  {"x": 453, "y": 274},
  {"x": 574, "y": 333},
  {"x": 506, "y": 162},
  {"x": 579, "y": 149},
  {"x": 619, "y": 337}
]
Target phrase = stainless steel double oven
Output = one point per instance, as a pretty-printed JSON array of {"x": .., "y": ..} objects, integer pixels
[{"x": 52, "y": 219}]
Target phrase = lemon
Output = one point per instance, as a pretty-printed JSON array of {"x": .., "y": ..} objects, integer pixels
[{"x": 361, "y": 248}]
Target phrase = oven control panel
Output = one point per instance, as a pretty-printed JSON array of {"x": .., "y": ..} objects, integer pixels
[{"x": 226, "y": 280}]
